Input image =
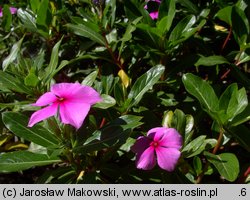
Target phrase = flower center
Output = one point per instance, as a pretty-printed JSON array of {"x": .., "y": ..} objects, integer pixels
[
  {"x": 60, "y": 99},
  {"x": 154, "y": 144}
]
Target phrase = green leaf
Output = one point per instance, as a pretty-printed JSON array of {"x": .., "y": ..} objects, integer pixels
[
  {"x": 107, "y": 102},
  {"x": 241, "y": 117},
  {"x": 242, "y": 57},
  {"x": 240, "y": 76},
  {"x": 227, "y": 164},
  {"x": 203, "y": 92},
  {"x": 211, "y": 61},
  {"x": 240, "y": 25},
  {"x": 197, "y": 165},
  {"x": 7, "y": 18},
  {"x": 144, "y": 83},
  {"x": 232, "y": 102},
  {"x": 27, "y": 19},
  {"x": 22, "y": 160},
  {"x": 34, "y": 4},
  {"x": 11, "y": 83},
  {"x": 131, "y": 27},
  {"x": 109, "y": 13},
  {"x": 197, "y": 146},
  {"x": 167, "y": 11},
  {"x": 151, "y": 34},
  {"x": 17, "y": 123},
  {"x": 190, "y": 6},
  {"x": 182, "y": 27},
  {"x": 179, "y": 121},
  {"x": 52, "y": 175},
  {"x": 113, "y": 134},
  {"x": 31, "y": 80},
  {"x": 50, "y": 70},
  {"x": 242, "y": 134},
  {"x": 89, "y": 80},
  {"x": 15, "y": 50},
  {"x": 88, "y": 32},
  {"x": 43, "y": 13},
  {"x": 189, "y": 123},
  {"x": 225, "y": 14}
]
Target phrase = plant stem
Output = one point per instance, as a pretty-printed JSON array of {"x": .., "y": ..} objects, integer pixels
[{"x": 217, "y": 146}]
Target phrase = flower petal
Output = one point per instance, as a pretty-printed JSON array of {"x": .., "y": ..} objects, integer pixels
[
  {"x": 156, "y": 133},
  {"x": 46, "y": 99},
  {"x": 65, "y": 89},
  {"x": 76, "y": 92},
  {"x": 167, "y": 158},
  {"x": 154, "y": 15},
  {"x": 73, "y": 113},
  {"x": 13, "y": 10},
  {"x": 42, "y": 114},
  {"x": 171, "y": 139},
  {"x": 141, "y": 144},
  {"x": 146, "y": 160},
  {"x": 86, "y": 94}
]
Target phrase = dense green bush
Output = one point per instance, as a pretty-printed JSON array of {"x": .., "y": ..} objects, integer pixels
[{"x": 187, "y": 69}]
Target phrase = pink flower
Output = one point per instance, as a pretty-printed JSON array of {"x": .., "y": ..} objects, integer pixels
[
  {"x": 12, "y": 11},
  {"x": 161, "y": 145},
  {"x": 154, "y": 15},
  {"x": 154, "y": 8},
  {"x": 71, "y": 101}
]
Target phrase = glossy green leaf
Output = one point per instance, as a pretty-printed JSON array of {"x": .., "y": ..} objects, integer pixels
[
  {"x": 241, "y": 117},
  {"x": 113, "y": 134},
  {"x": 182, "y": 27},
  {"x": 167, "y": 118},
  {"x": 203, "y": 92},
  {"x": 197, "y": 146},
  {"x": 17, "y": 123},
  {"x": 240, "y": 25},
  {"x": 89, "y": 80},
  {"x": 144, "y": 83},
  {"x": 211, "y": 61},
  {"x": 227, "y": 164},
  {"x": 50, "y": 70},
  {"x": 107, "y": 102},
  {"x": 88, "y": 32},
  {"x": 7, "y": 18},
  {"x": 109, "y": 13},
  {"x": 243, "y": 57},
  {"x": 225, "y": 14},
  {"x": 167, "y": 11},
  {"x": 43, "y": 14},
  {"x": 15, "y": 50},
  {"x": 197, "y": 165},
  {"x": 191, "y": 148},
  {"x": 179, "y": 121},
  {"x": 189, "y": 123},
  {"x": 27, "y": 19},
  {"x": 131, "y": 27},
  {"x": 22, "y": 160},
  {"x": 232, "y": 102},
  {"x": 9, "y": 82}
]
